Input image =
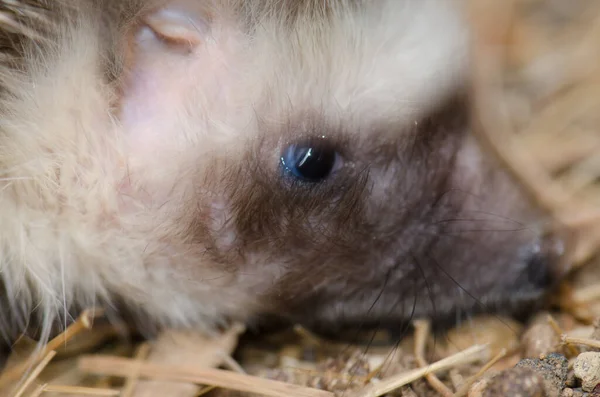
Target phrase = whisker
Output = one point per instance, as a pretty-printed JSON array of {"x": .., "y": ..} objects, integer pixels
[
  {"x": 477, "y": 301},
  {"x": 405, "y": 327},
  {"x": 378, "y": 326},
  {"x": 458, "y": 220},
  {"x": 361, "y": 325},
  {"x": 429, "y": 293},
  {"x": 486, "y": 230}
]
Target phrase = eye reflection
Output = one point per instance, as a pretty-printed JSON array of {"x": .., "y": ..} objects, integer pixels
[{"x": 309, "y": 162}]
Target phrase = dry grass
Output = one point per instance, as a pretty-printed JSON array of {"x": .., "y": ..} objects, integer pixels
[
  {"x": 536, "y": 85},
  {"x": 118, "y": 374}
]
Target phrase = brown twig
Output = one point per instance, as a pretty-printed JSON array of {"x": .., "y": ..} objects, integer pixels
[
  {"x": 81, "y": 391},
  {"x": 35, "y": 373},
  {"x": 132, "y": 379},
  {"x": 205, "y": 391},
  {"x": 559, "y": 332},
  {"x": 121, "y": 367},
  {"x": 464, "y": 389},
  {"x": 84, "y": 322},
  {"x": 232, "y": 364},
  {"x": 474, "y": 353},
  {"x": 570, "y": 340},
  {"x": 38, "y": 390},
  {"x": 421, "y": 334}
]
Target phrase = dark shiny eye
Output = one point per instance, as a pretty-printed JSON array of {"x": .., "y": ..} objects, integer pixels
[{"x": 310, "y": 163}]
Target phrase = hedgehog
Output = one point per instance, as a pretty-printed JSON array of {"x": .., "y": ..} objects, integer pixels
[{"x": 187, "y": 163}]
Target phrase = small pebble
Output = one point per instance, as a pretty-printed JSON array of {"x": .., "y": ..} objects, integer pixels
[
  {"x": 567, "y": 393},
  {"x": 587, "y": 368},
  {"x": 553, "y": 368},
  {"x": 516, "y": 382}
]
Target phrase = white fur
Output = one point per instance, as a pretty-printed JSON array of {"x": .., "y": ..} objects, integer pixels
[{"x": 89, "y": 204}]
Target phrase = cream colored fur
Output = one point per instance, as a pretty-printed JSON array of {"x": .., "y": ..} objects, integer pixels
[{"x": 90, "y": 198}]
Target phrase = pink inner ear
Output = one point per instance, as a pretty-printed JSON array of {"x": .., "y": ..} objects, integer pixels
[
  {"x": 158, "y": 75},
  {"x": 163, "y": 71},
  {"x": 179, "y": 22}
]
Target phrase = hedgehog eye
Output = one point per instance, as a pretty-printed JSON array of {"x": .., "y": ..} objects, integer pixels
[{"x": 310, "y": 162}]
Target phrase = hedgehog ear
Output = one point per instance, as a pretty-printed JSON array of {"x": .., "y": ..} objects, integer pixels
[
  {"x": 176, "y": 24},
  {"x": 166, "y": 53},
  {"x": 181, "y": 23}
]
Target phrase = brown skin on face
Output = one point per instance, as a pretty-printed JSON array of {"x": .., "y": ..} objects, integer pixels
[{"x": 398, "y": 231}]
